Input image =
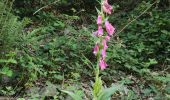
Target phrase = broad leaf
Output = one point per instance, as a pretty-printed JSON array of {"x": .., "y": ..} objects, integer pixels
[
  {"x": 73, "y": 95},
  {"x": 108, "y": 92}
]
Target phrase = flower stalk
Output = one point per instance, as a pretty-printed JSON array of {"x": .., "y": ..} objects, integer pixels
[{"x": 104, "y": 32}]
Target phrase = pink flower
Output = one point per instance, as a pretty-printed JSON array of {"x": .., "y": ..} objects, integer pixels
[
  {"x": 99, "y": 20},
  {"x": 100, "y": 31},
  {"x": 95, "y": 33},
  {"x": 106, "y": 7},
  {"x": 95, "y": 49},
  {"x": 102, "y": 64},
  {"x": 103, "y": 53},
  {"x": 107, "y": 38},
  {"x": 109, "y": 28},
  {"x": 104, "y": 42}
]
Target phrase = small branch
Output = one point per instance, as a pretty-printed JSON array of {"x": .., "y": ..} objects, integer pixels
[
  {"x": 136, "y": 18},
  {"x": 63, "y": 81},
  {"x": 6, "y": 98},
  {"x": 44, "y": 7}
]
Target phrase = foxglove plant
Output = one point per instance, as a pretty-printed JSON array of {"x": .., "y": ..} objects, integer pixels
[{"x": 104, "y": 33}]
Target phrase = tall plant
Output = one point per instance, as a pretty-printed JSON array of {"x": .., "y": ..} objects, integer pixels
[{"x": 102, "y": 35}]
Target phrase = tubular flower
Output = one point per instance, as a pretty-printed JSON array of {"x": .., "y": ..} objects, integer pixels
[
  {"x": 102, "y": 64},
  {"x": 103, "y": 53},
  {"x": 100, "y": 31},
  {"x": 99, "y": 20},
  {"x": 95, "y": 33},
  {"x": 106, "y": 7},
  {"x": 95, "y": 49},
  {"x": 109, "y": 28},
  {"x": 104, "y": 42},
  {"x": 107, "y": 38}
]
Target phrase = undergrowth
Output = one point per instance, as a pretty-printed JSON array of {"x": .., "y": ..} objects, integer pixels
[{"x": 51, "y": 51}]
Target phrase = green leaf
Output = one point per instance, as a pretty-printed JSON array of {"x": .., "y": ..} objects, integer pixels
[
  {"x": 98, "y": 11},
  {"x": 97, "y": 87},
  {"x": 13, "y": 61},
  {"x": 73, "y": 95},
  {"x": 6, "y": 71},
  {"x": 108, "y": 92},
  {"x": 165, "y": 31}
]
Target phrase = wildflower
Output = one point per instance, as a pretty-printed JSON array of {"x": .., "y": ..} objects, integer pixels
[
  {"x": 109, "y": 28},
  {"x": 103, "y": 53},
  {"x": 100, "y": 31},
  {"x": 106, "y": 7},
  {"x": 102, "y": 64},
  {"x": 95, "y": 33},
  {"x": 95, "y": 49},
  {"x": 104, "y": 42},
  {"x": 99, "y": 20},
  {"x": 107, "y": 38}
]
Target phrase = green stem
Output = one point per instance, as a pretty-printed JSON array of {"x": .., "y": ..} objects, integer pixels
[{"x": 97, "y": 69}]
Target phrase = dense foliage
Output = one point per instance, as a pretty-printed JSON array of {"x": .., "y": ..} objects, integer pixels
[{"x": 46, "y": 46}]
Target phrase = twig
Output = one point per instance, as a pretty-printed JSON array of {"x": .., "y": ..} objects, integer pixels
[
  {"x": 136, "y": 18},
  {"x": 44, "y": 7},
  {"x": 63, "y": 81}
]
